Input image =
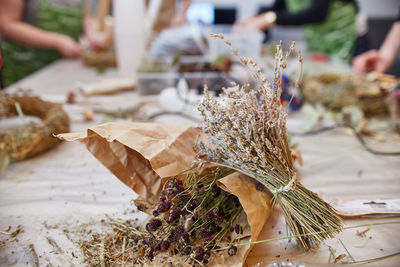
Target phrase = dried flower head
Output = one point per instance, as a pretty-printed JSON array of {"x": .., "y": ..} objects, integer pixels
[{"x": 245, "y": 130}]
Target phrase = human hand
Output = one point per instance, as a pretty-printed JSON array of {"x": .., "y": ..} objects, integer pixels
[
  {"x": 259, "y": 22},
  {"x": 67, "y": 46},
  {"x": 97, "y": 39},
  {"x": 370, "y": 61}
]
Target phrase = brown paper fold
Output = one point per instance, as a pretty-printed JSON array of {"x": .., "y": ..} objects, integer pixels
[
  {"x": 141, "y": 155},
  {"x": 256, "y": 204}
]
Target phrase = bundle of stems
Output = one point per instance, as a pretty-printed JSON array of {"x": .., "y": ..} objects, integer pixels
[
  {"x": 246, "y": 130},
  {"x": 191, "y": 221}
]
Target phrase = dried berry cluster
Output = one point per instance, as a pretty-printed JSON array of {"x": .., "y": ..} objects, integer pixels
[{"x": 193, "y": 218}]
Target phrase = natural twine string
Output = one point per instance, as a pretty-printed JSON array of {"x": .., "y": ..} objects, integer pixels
[{"x": 289, "y": 186}]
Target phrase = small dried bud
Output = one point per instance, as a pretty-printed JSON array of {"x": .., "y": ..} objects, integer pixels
[
  {"x": 173, "y": 182},
  {"x": 184, "y": 239},
  {"x": 198, "y": 253},
  {"x": 204, "y": 233},
  {"x": 201, "y": 191},
  {"x": 149, "y": 253},
  {"x": 206, "y": 255},
  {"x": 162, "y": 197},
  {"x": 194, "y": 203},
  {"x": 164, "y": 246},
  {"x": 175, "y": 213},
  {"x": 164, "y": 206},
  {"x": 174, "y": 236},
  {"x": 153, "y": 225},
  {"x": 178, "y": 189},
  {"x": 232, "y": 250},
  {"x": 209, "y": 216},
  {"x": 238, "y": 229},
  {"x": 187, "y": 250},
  {"x": 216, "y": 191}
]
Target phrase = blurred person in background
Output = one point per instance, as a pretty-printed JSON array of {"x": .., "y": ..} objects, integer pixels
[
  {"x": 37, "y": 32},
  {"x": 1, "y": 64},
  {"x": 381, "y": 60},
  {"x": 329, "y": 26}
]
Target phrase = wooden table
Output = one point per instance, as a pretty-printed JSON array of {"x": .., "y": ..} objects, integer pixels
[{"x": 57, "y": 194}]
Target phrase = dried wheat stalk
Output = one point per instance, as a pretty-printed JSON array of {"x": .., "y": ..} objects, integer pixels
[{"x": 246, "y": 131}]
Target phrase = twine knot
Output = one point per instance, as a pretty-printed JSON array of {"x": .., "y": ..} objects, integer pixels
[{"x": 289, "y": 186}]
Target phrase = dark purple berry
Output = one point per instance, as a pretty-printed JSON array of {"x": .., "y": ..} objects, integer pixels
[
  {"x": 162, "y": 197},
  {"x": 164, "y": 206},
  {"x": 175, "y": 213},
  {"x": 201, "y": 191},
  {"x": 195, "y": 216},
  {"x": 238, "y": 229},
  {"x": 184, "y": 239},
  {"x": 194, "y": 203},
  {"x": 175, "y": 234},
  {"x": 209, "y": 216},
  {"x": 204, "y": 233},
  {"x": 155, "y": 213},
  {"x": 178, "y": 189},
  {"x": 212, "y": 228},
  {"x": 221, "y": 212},
  {"x": 198, "y": 253},
  {"x": 149, "y": 253},
  {"x": 232, "y": 250},
  {"x": 206, "y": 255},
  {"x": 187, "y": 250},
  {"x": 173, "y": 182},
  {"x": 183, "y": 200},
  {"x": 164, "y": 246},
  {"x": 153, "y": 225},
  {"x": 216, "y": 191}
]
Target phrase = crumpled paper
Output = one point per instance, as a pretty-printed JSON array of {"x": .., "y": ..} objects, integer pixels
[{"x": 142, "y": 155}]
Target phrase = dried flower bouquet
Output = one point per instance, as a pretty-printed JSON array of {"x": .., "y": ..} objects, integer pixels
[{"x": 246, "y": 130}]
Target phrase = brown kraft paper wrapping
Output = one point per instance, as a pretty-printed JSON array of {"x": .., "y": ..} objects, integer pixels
[{"x": 141, "y": 155}]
